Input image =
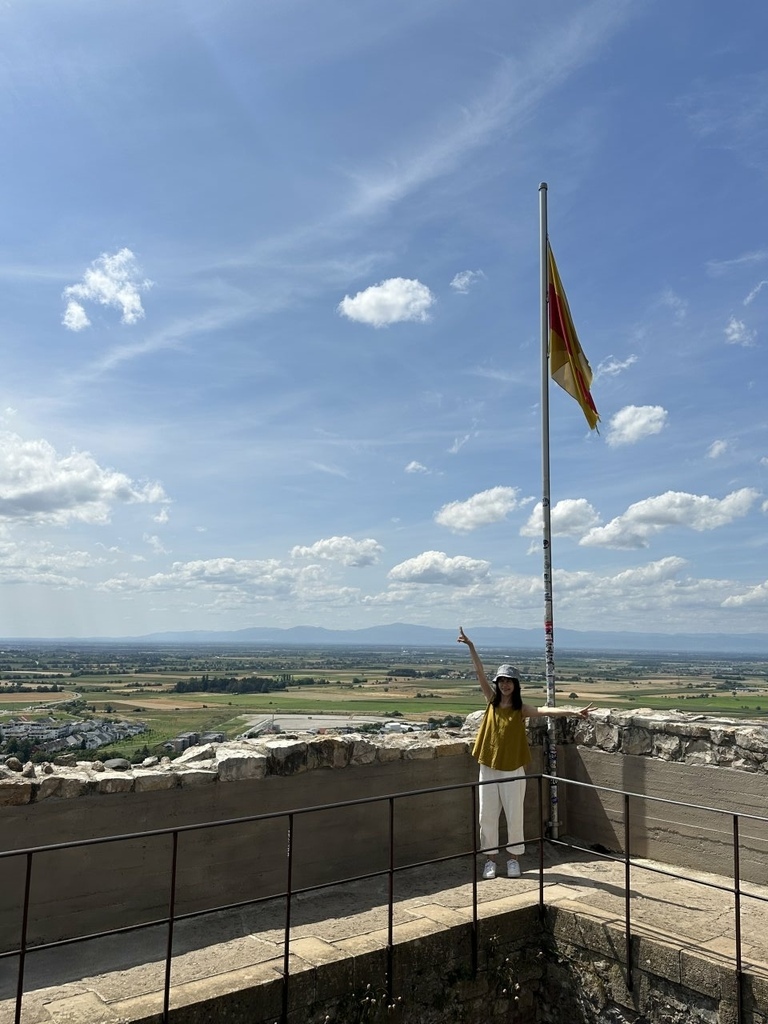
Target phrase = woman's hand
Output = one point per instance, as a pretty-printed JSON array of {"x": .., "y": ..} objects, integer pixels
[
  {"x": 462, "y": 638},
  {"x": 585, "y": 712}
]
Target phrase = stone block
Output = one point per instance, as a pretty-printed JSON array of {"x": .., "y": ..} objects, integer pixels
[
  {"x": 729, "y": 984},
  {"x": 114, "y": 782},
  {"x": 189, "y": 777},
  {"x": 363, "y": 751},
  {"x": 234, "y": 765},
  {"x": 328, "y": 752},
  {"x": 386, "y": 752},
  {"x": 667, "y": 747},
  {"x": 582, "y": 932},
  {"x": 14, "y": 793},
  {"x": 148, "y": 781},
  {"x": 657, "y": 958},
  {"x": 699, "y": 975},
  {"x": 200, "y": 752},
  {"x": 451, "y": 748},
  {"x": 698, "y": 752},
  {"x": 636, "y": 741},
  {"x": 753, "y": 738},
  {"x": 606, "y": 736},
  {"x": 286, "y": 757},
  {"x": 84, "y": 1008},
  {"x": 370, "y": 968},
  {"x": 63, "y": 786},
  {"x": 419, "y": 752},
  {"x": 503, "y": 931},
  {"x": 333, "y": 980}
]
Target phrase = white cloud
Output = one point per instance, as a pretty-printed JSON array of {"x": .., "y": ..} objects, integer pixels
[
  {"x": 737, "y": 333},
  {"x": 38, "y": 485},
  {"x": 268, "y": 577},
  {"x": 345, "y": 550},
  {"x": 459, "y": 443},
  {"x": 716, "y": 449},
  {"x": 490, "y": 373},
  {"x": 490, "y": 506},
  {"x": 755, "y": 595},
  {"x": 612, "y": 367},
  {"x": 435, "y": 567},
  {"x": 241, "y": 584},
  {"x": 755, "y": 292},
  {"x": 635, "y": 422},
  {"x": 323, "y": 467},
  {"x": 416, "y": 467},
  {"x": 34, "y": 562},
  {"x": 155, "y": 543},
  {"x": 652, "y": 573},
  {"x": 389, "y": 302},
  {"x": 464, "y": 280},
  {"x": 75, "y": 318},
  {"x": 572, "y": 517},
  {"x": 114, "y": 281},
  {"x": 678, "y": 306},
  {"x": 718, "y": 267},
  {"x": 162, "y": 516},
  {"x": 645, "y": 518}
]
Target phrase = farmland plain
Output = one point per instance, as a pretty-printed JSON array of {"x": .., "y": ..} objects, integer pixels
[{"x": 175, "y": 689}]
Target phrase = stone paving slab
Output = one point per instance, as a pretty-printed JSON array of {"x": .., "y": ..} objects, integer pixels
[{"x": 231, "y": 952}]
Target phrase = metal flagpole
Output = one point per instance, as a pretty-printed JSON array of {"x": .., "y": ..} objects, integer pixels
[{"x": 549, "y": 635}]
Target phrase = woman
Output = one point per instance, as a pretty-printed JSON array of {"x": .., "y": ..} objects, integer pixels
[{"x": 501, "y": 748}]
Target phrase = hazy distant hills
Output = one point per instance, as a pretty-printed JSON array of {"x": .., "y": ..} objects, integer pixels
[{"x": 402, "y": 634}]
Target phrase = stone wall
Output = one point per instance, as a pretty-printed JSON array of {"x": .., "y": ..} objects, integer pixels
[
  {"x": 670, "y": 756},
  {"x": 679, "y": 757},
  {"x": 566, "y": 968}
]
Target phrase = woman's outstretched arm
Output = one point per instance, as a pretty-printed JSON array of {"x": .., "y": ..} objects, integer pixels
[
  {"x": 546, "y": 712},
  {"x": 482, "y": 678}
]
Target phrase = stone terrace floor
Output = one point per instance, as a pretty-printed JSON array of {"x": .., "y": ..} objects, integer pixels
[{"x": 121, "y": 978}]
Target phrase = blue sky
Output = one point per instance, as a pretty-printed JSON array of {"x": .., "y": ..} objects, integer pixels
[{"x": 270, "y": 319}]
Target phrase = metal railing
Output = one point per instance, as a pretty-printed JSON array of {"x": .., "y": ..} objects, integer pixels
[{"x": 25, "y": 948}]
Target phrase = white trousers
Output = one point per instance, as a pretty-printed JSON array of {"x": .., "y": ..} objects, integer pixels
[{"x": 494, "y": 796}]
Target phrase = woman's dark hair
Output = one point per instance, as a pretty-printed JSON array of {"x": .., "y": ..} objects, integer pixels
[{"x": 517, "y": 700}]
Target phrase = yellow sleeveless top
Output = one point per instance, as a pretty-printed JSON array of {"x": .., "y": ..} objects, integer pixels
[{"x": 501, "y": 741}]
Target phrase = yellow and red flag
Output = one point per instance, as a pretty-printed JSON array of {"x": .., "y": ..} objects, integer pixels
[{"x": 567, "y": 363}]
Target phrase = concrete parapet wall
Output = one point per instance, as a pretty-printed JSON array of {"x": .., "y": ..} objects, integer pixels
[
  {"x": 678, "y": 757},
  {"x": 91, "y": 888}
]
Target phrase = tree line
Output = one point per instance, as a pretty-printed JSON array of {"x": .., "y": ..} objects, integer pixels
[{"x": 244, "y": 684}]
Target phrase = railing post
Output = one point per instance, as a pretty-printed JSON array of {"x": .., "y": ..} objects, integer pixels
[
  {"x": 737, "y": 916},
  {"x": 542, "y": 827},
  {"x": 171, "y": 915},
  {"x": 390, "y": 901},
  {"x": 627, "y": 892},
  {"x": 474, "y": 879},
  {"x": 23, "y": 943},
  {"x": 288, "y": 902}
]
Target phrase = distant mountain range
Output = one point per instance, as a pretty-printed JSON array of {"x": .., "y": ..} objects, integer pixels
[{"x": 402, "y": 634}]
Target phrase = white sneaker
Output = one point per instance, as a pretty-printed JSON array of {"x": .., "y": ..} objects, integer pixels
[
  {"x": 513, "y": 868},
  {"x": 489, "y": 871}
]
